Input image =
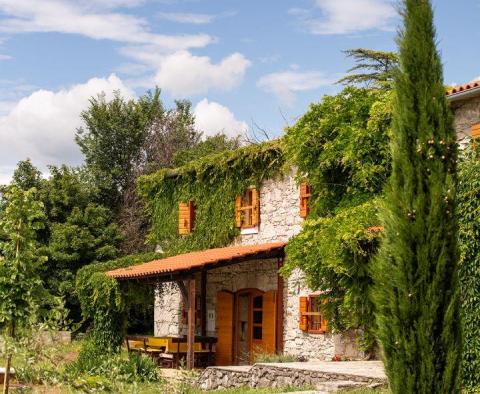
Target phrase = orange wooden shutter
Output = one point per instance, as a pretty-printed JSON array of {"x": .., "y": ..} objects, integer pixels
[
  {"x": 305, "y": 193},
  {"x": 224, "y": 326},
  {"x": 238, "y": 211},
  {"x": 303, "y": 309},
  {"x": 186, "y": 217},
  {"x": 255, "y": 208},
  {"x": 324, "y": 326},
  {"x": 475, "y": 130}
]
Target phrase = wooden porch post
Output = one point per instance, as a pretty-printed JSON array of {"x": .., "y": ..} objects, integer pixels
[
  {"x": 191, "y": 323},
  {"x": 203, "y": 303},
  {"x": 280, "y": 311}
]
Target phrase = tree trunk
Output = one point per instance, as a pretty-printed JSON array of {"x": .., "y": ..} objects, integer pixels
[{"x": 6, "y": 380}]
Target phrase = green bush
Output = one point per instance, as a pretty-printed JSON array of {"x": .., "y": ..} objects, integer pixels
[{"x": 94, "y": 362}]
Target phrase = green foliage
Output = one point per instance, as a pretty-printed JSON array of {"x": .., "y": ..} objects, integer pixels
[
  {"x": 335, "y": 254},
  {"x": 111, "y": 140},
  {"x": 469, "y": 245},
  {"x": 76, "y": 230},
  {"x": 342, "y": 144},
  {"x": 212, "y": 183},
  {"x": 94, "y": 361},
  {"x": 211, "y": 145},
  {"x": 416, "y": 291},
  {"x": 21, "y": 289},
  {"x": 107, "y": 302},
  {"x": 26, "y": 175},
  {"x": 372, "y": 67}
]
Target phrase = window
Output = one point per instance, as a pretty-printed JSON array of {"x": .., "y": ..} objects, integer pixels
[
  {"x": 247, "y": 212},
  {"x": 305, "y": 193},
  {"x": 186, "y": 217},
  {"x": 475, "y": 131},
  {"x": 311, "y": 319},
  {"x": 257, "y": 308}
]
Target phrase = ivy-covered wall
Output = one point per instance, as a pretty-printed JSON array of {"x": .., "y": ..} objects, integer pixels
[
  {"x": 469, "y": 243},
  {"x": 212, "y": 183},
  {"x": 341, "y": 145}
]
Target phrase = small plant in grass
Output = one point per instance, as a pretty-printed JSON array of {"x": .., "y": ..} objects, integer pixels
[{"x": 275, "y": 358}]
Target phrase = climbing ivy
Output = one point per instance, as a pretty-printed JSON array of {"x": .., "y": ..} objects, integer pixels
[
  {"x": 212, "y": 184},
  {"x": 341, "y": 146},
  {"x": 469, "y": 244},
  {"x": 107, "y": 302}
]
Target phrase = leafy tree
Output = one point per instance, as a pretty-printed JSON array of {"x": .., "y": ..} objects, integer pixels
[
  {"x": 111, "y": 139},
  {"x": 210, "y": 145},
  {"x": 26, "y": 175},
  {"x": 21, "y": 289},
  {"x": 372, "y": 67},
  {"x": 416, "y": 278}
]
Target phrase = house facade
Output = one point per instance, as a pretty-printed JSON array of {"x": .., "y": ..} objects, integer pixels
[
  {"x": 243, "y": 308},
  {"x": 236, "y": 293}
]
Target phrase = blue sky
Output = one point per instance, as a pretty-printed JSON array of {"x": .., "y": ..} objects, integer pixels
[{"x": 241, "y": 63}]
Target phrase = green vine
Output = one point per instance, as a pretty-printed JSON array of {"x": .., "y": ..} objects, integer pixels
[
  {"x": 212, "y": 183},
  {"x": 469, "y": 244},
  {"x": 107, "y": 302}
]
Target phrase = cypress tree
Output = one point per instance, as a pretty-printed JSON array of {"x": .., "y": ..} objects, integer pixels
[{"x": 416, "y": 292}]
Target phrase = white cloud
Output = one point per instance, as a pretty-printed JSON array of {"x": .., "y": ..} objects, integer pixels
[
  {"x": 346, "y": 16},
  {"x": 196, "y": 19},
  {"x": 285, "y": 84},
  {"x": 94, "y": 20},
  {"x": 183, "y": 74},
  {"x": 5, "y": 57},
  {"x": 213, "y": 118},
  {"x": 42, "y": 125}
]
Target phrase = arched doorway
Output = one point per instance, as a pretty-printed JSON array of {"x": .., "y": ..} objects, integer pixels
[{"x": 246, "y": 325}]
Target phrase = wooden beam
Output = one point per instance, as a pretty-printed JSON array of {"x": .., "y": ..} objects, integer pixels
[
  {"x": 203, "y": 303},
  {"x": 191, "y": 324},
  {"x": 280, "y": 311}
]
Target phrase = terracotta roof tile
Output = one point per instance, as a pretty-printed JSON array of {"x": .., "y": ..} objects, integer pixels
[
  {"x": 463, "y": 88},
  {"x": 189, "y": 261}
]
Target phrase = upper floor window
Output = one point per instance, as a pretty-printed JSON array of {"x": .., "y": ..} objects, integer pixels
[
  {"x": 247, "y": 209},
  {"x": 311, "y": 317},
  {"x": 475, "y": 131},
  {"x": 186, "y": 217},
  {"x": 305, "y": 194}
]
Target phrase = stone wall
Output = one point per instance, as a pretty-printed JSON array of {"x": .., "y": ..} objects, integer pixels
[
  {"x": 467, "y": 113},
  {"x": 168, "y": 310},
  {"x": 297, "y": 342},
  {"x": 279, "y": 212}
]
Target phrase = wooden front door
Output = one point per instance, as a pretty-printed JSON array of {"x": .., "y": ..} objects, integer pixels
[
  {"x": 224, "y": 325},
  {"x": 255, "y": 324},
  {"x": 263, "y": 324}
]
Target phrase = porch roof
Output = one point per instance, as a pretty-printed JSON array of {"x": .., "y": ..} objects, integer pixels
[{"x": 192, "y": 262}]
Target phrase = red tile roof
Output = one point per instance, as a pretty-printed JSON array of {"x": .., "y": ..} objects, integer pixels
[
  {"x": 196, "y": 260},
  {"x": 463, "y": 88}
]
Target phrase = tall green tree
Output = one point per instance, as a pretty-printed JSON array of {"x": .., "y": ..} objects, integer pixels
[
  {"x": 416, "y": 275},
  {"x": 372, "y": 68},
  {"x": 21, "y": 288},
  {"x": 111, "y": 139}
]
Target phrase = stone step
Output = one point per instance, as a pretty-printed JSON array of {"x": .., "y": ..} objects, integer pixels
[{"x": 336, "y": 385}]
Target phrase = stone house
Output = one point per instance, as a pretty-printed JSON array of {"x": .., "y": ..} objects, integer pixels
[{"x": 236, "y": 293}]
